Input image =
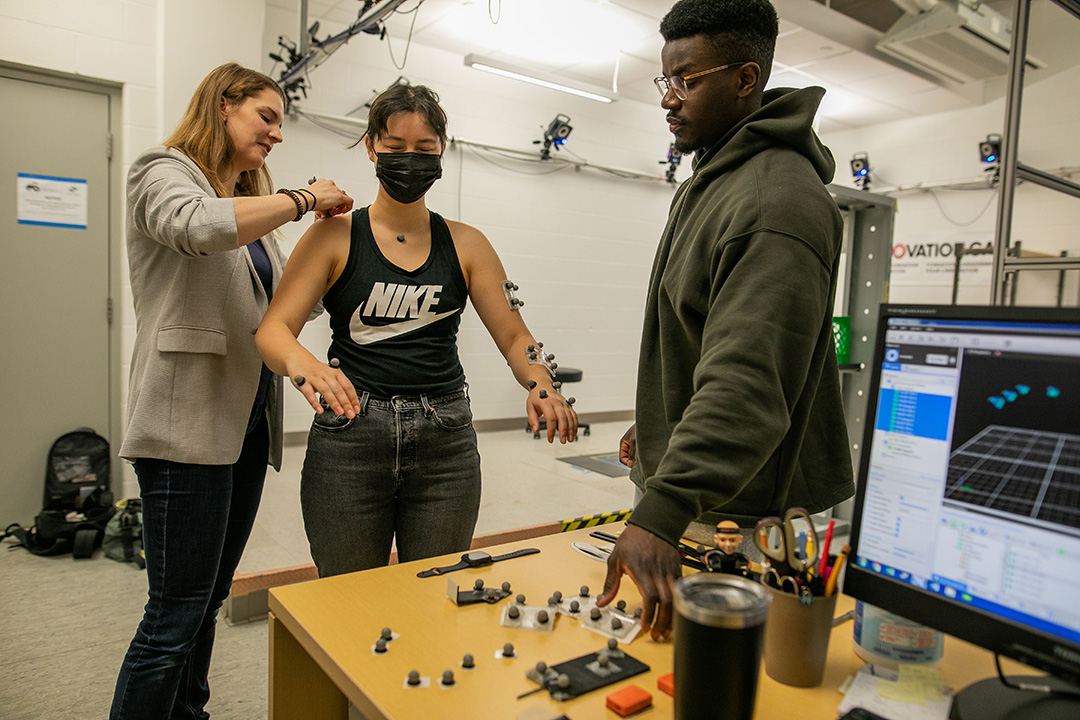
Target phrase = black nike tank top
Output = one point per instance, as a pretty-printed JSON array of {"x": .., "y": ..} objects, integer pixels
[{"x": 395, "y": 331}]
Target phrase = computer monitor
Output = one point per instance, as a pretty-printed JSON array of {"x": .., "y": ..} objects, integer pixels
[{"x": 967, "y": 512}]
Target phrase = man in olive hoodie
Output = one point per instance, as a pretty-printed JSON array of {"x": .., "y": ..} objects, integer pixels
[{"x": 738, "y": 394}]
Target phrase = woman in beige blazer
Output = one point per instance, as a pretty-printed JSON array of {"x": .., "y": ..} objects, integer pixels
[{"x": 204, "y": 414}]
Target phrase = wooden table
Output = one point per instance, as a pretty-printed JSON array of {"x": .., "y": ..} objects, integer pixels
[{"x": 322, "y": 633}]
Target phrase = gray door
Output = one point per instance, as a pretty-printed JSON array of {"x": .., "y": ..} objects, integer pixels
[{"x": 54, "y": 286}]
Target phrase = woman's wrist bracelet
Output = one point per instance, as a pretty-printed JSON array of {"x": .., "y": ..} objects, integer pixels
[
  {"x": 305, "y": 192},
  {"x": 296, "y": 199}
]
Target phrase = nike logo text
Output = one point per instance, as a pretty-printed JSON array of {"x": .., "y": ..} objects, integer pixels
[{"x": 391, "y": 300}]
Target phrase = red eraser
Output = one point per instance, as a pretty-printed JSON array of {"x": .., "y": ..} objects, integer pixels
[
  {"x": 629, "y": 700},
  {"x": 667, "y": 683}
]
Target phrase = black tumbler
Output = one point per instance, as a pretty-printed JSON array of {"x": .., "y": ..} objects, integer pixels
[{"x": 719, "y": 633}]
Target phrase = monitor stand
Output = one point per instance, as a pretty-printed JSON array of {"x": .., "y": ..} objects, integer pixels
[{"x": 991, "y": 700}]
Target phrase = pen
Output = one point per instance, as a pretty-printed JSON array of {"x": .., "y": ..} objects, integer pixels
[
  {"x": 825, "y": 549},
  {"x": 834, "y": 574}
]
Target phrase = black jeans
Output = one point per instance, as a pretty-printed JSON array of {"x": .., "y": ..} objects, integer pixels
[
  {"x": 196, "y": 521},
  {"x": 405, "y": 469}
]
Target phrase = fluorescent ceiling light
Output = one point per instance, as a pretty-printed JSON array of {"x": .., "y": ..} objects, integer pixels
[{"x": 536, "y": 78}]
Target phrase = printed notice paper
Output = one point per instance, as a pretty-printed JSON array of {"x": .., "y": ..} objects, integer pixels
[{"x": 51, "y": 201}]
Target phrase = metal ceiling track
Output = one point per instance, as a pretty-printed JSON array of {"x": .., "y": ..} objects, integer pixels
[{"x": 1013, "y": 171}]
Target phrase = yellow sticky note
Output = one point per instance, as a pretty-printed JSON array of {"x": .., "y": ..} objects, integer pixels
[
  {"x": 926, "y": 677},
  {"x": 901, "y": 692},
  {"x": 916, "y": 685}
]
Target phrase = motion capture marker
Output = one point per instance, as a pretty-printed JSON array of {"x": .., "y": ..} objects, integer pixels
[
  {"x": 553, "y": 600},
  {"x": 491, "y": 594},
  {"x": 468, "y": 662},
  {"x": 312, "y": 180},
  {"x": 584, "y": 592},
  {"x": 554, "y": 365},
  {"x": 380, "y": 646},
  {"x": 594, "y": 614},
  {"x": 571, "y": 400},
  {"x": 556, "y": 384},
  {"x": 448, "y": 678},
  {"x": 540, "y": 344},
  {"x": 1010, "y": 395},
  {"x": 616, "y": 624},
  {"x": 334, "y": 362},
  {"x": 508, "y": 650},
  {"x": 563, "y": 682},
  {"x": 513, "y": 613},
  {"x": 575, "y": 606},
  {"x": 532, "y": 384},
  {"x": 401, "y": 237},
  {"x": 637, "y": 613},
  {"x": 506, "y": 587},
  {"x": 543, "y": 393},
  {"x": 542, "y": 617},
  {"x": 612, "y": 644},
  {"x": 558, "y": 596},
  {"x": 602, "y": 659},
  {"x": 479, "y": 584},
  {"x": 1052, "y": 392},
  {"x": 1023, "y": 389},
  {"x": 551, "y": 356},
  {"x": 999, "y": 402},
  {"x": 414, "y": 678},
  {"x": 531, "y": 348},
  {"x": 387, "y": 634},
  {"x": 621, "y": 605},
  {"x": 298, "y": 380},
  {"x": 520, "y": 599}
]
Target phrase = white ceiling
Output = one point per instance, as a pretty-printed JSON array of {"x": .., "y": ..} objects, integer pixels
[{"x": 586, "y": 40}]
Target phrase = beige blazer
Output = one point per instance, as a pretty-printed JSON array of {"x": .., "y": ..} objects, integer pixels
[{"x": 198, "y": 302}]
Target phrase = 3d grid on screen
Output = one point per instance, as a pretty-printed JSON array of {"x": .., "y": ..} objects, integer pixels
[{"x": 1030, "y": 473}]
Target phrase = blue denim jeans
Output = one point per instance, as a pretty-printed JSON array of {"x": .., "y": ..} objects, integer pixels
[
  {"x": 196, "y": 521},
  {"x": 405, "y": 469}
]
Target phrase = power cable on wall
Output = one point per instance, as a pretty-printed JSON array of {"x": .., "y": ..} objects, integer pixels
[{"x": 408, "y": 41}]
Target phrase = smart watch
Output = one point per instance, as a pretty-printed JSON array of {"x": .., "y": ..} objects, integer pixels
[{"x": 476, "y": 558}]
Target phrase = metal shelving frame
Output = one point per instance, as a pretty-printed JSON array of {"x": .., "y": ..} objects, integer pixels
[
  {"x": 868, "y": 234},
  {"x": 1013, "y": 171}
]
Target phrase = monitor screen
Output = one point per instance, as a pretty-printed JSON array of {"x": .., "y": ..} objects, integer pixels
[{"x": 967, "y": 514}]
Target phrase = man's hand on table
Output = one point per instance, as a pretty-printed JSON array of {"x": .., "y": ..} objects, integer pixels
[{"x": 654, "y": 566}]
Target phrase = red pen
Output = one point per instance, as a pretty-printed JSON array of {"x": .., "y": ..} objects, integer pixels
[{"x": 823, "y": 565}]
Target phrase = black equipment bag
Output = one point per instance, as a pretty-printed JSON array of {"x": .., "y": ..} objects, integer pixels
[
  {"x": 77, "y": 502},
  {"x": 77, "y": 468},
  {"x": 57, "y": 532}
]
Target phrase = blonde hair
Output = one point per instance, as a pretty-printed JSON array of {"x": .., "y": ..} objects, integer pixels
[{"x": 201, "y": 135}]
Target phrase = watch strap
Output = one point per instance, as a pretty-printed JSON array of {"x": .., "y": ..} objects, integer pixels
[
  {"x": 517, "y": 553},
  {"x": 461, "y": 564},
  {"x": 440, "y": 570}
]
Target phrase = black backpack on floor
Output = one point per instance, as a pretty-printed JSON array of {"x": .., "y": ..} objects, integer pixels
[{"x": 77, "y": 502}]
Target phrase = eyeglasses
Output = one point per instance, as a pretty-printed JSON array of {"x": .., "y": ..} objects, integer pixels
[{"x": 677, "y": 84}]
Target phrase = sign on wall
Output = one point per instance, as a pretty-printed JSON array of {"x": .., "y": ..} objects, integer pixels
[{"x": 51, "y": 201}]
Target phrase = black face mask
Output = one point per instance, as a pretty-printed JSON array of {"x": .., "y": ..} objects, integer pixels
[{"x": 407, "y": 176}]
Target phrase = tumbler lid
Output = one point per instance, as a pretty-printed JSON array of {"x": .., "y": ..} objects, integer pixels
[{"x": 723, "y": 601}]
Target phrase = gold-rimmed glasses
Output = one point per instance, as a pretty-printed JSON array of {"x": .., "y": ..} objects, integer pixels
[{"x": 677, "y": 84}]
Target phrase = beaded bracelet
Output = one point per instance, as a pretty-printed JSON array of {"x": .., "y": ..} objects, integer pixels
[{"x": 296, "y": 199}]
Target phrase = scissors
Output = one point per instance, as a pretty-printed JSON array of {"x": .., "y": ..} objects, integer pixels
[{"x": 790, "y": 544}]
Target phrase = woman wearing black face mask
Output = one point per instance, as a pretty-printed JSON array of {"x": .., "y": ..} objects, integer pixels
[{"x": 392, "y": 452}]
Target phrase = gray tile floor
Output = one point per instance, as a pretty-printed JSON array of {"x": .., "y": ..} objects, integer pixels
[{"x": 65, "y": 624}]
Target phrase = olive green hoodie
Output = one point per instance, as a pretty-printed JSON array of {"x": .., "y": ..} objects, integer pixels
[{"x": 738, "y": 394}]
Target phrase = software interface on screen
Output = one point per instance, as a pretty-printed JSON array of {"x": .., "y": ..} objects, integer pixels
[{"x": 973, "y": 482}]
